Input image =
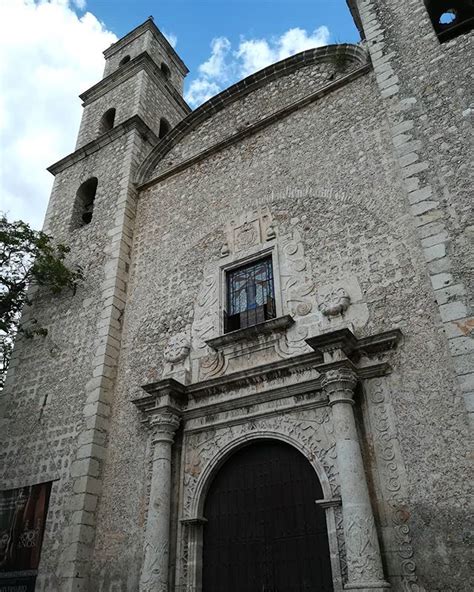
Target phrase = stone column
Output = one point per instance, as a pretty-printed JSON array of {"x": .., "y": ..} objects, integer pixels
[
  {"x": 154, "y": 577},
  {"x": 364, "y": 563}
]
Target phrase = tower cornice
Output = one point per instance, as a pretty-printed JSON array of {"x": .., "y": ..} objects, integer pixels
[
  {"x": 133, "y": 123},
  {"x": 148, "y": 25},
  {"x": 141, "y": 62}
]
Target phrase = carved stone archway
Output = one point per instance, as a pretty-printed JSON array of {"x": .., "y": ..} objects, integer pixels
[{"x": 192, "y": 531}]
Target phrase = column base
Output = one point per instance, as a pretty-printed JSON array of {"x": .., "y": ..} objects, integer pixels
[{"x": 368, "y": 586}]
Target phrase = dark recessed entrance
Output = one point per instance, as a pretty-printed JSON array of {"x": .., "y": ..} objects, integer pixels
[{"x": 264, "y": 531}]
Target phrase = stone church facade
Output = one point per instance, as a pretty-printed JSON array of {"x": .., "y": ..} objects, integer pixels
[{"x": 280, "y": 276}]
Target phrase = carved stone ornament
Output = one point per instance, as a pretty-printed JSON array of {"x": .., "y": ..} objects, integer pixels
[
  {"x": 225, "y": 250},
  {"x": 178, "y": 348},
  {"x": 335, "y": 303},
  {"x": 246, "y": 235}
]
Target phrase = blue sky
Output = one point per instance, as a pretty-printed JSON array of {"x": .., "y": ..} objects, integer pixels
[
  {"x": 51, "y": 51},
  {"x": 196, "y": 22}
]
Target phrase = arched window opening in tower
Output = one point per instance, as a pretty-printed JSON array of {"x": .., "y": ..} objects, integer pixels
[
  {"x": 107, "y": 121},
  {"x": 124, "y": 60},
  {"x": 165, "y": 70},
  {"x": 84, "y": 203},
  {"x": 164, "y": 128},
  {"x": 450, "y": 18}
]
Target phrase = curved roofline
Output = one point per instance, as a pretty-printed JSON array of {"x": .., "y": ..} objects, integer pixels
[{"x": 329, "y": 53}]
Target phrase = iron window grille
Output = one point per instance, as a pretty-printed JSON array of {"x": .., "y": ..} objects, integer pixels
[{"x": 250, "y": 295}]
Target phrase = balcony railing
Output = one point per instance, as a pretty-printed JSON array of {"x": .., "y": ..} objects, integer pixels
[{"x": 249, "y": 318}]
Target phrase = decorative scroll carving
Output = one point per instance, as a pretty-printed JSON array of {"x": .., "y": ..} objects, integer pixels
[
  {"x": 335, "y": 303},
  {"x": 205, "y": 313},
  {"x": 212, "y": 365},
  {"x": 183, "y": 576},
  {"x": 393, "y": 488},
  {"x": 297, "y": 282},
  {"x": 341, "y": 542}
]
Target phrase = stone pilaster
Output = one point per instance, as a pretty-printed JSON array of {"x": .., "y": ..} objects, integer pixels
[
  {"x": 154, "y": 576},
  {"x": 365, "y": 572}
]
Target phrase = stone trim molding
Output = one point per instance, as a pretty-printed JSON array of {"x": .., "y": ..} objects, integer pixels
[
  {"x": 334, "y": 502},
  {"x": 142, "y": 61},
  {"x": 353, "y": 53},
  {"x": 133, "y": 123},
  {"x": 148, "y": 25},
  {"x": 352, "y": 4}
]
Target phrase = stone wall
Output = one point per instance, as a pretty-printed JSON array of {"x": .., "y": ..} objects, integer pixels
[
  {"x": 354, "y": 180},
  {"x": 327, "y": 172},
  {"x": 51, "y": 427},
  {"x": 426, "y": 91}
]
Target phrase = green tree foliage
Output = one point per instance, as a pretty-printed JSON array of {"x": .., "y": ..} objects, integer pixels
[{"x": 28, "y": 258}]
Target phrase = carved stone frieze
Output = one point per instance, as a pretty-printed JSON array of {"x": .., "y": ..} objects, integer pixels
[
  {"x": 206, "y": 313},
  {"x": 363, "y": 549},
  {"x": 390, "y": 465},
  {"x": 313, "y": 432}
]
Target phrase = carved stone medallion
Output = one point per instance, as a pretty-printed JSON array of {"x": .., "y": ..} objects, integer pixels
[{"x": 177, "y": 349}]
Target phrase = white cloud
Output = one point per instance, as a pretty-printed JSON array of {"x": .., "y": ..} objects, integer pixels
[
  {"x": 80, "y": 4},
  {"x": 215, "y": 66},
  {"x": 49, "y": 55},
  {"x": 225, "y": 66},
  {"x": 200, "y": 90},
  {"x": 172, "y": 39}
]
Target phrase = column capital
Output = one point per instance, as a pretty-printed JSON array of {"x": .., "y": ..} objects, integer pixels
[
  {"x": 163, "y": 423},
  {"x": 339, "y": 385}
]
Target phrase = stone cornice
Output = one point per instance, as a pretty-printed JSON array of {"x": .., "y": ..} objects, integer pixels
[
  {"x": 249, "y": 333},
  {"x": 352, "y": 53},
  {"x": 148, "y": 25},
  {"x": 355, "y": 348},
  {"x": 134, "y": 123},
  {"x": 356, "y": 16},
  {"x": 164, "y": 391},
  {"x": 141, "y": 62}
]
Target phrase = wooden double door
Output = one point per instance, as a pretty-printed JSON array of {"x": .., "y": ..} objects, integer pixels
[{"x": 264, "y": 532}]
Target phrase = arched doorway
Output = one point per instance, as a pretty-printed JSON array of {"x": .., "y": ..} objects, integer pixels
[{"x": 264, "y": 532}]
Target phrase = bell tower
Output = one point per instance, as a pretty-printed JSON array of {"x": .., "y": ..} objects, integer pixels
[{"x": 92, "y": 209}]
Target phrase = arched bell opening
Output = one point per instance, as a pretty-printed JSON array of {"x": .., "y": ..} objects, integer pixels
[{"x": 450, "y": 18}]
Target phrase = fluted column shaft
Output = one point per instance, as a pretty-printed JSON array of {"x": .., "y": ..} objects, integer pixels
[
  {"x": 154, "y": 577},
  {"x": 364, "y": 564}
]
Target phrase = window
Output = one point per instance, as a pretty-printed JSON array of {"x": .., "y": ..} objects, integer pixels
[
  {"x": 124, "y": 60},
  {"x": 107, "y": 121},
  {"x": 165, "y": 70},
  {"x": 250, "y": 295},
  {"x": 84, "y": 204},
  {"x": 450, "y": 18},
  {"x": 164, "y": 128}
]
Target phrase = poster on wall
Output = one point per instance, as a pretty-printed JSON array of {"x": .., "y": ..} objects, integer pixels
[{"x": 22, "y": 521}]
